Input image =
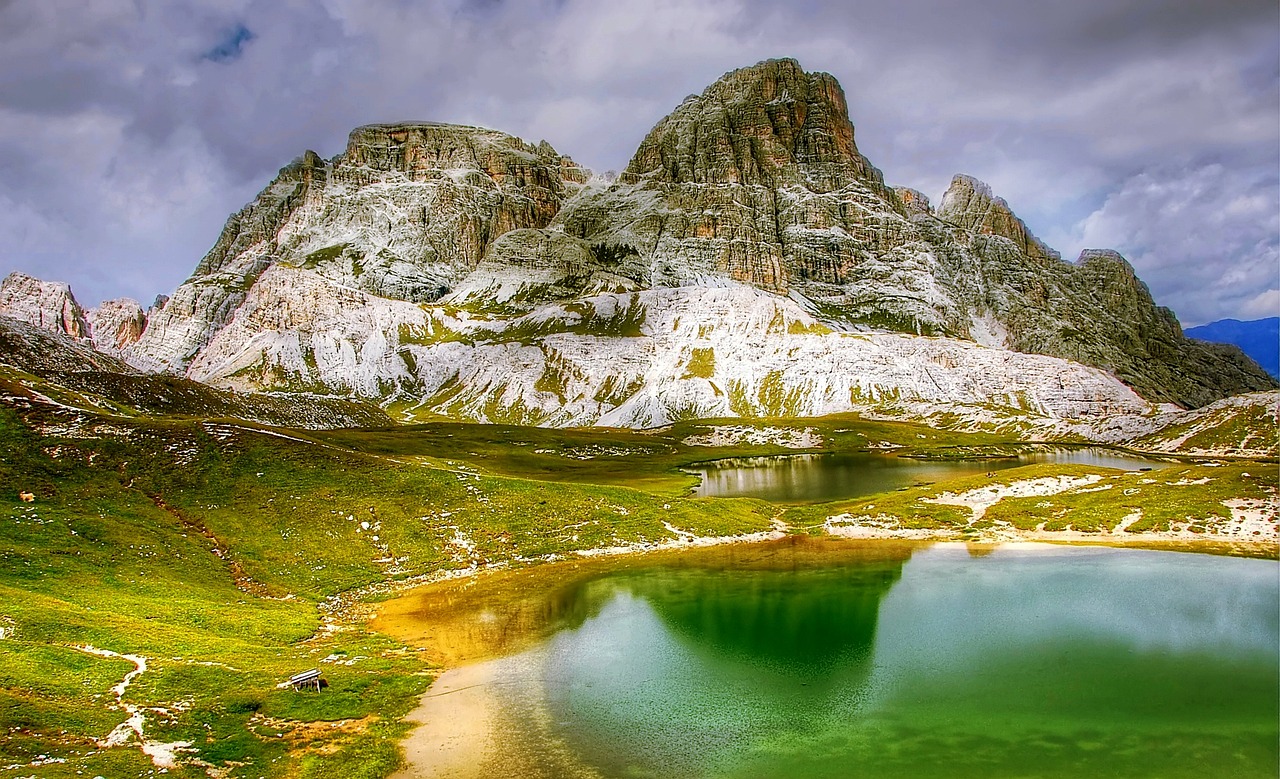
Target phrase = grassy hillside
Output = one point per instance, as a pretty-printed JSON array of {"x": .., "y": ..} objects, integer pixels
[
  {"x": 228, "y": 556},
  {"x": 211, "y": 550}
]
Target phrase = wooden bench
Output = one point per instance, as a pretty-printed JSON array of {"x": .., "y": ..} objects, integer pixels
[{"x": 306, "y": 679}]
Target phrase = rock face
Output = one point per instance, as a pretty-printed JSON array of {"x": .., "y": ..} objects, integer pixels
[
  {"x": 758, "y": 180},
  {"x": 46, "y": 305},
  {"x": 116, "y": 324},
  {"x": 772, "y": 125},
  {"x": 404, "y": 213},
  {"x": 748, "y": 261},
  {"x": 969, "y": 204}
]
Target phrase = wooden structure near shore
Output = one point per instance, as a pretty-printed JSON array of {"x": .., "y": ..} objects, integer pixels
[{"x": 306, "y": 680}]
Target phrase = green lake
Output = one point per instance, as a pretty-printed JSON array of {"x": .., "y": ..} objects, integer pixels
[
  {"x": 805, "y": 478},
  {"x": 883, "y": 661}
]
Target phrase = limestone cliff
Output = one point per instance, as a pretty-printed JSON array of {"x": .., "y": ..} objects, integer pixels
[
  {"x": 47, "y": 305},
  {"x": 404, "y": 213},
  {"x": 758, "y": 179},
  {"x": 117, "y": 324},
  {"x": 770, "y": 125}
]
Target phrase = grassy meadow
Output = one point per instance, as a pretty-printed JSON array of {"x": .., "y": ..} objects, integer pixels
[{"x": 229, "y": 556}]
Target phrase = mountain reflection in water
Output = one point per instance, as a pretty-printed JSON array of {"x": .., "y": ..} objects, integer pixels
[
  {"x": 686, "y": 660},
  {"x": 815, "y": 659},
  {"x": 803, "y": 621},
  {"x": 806, "y": 478}
]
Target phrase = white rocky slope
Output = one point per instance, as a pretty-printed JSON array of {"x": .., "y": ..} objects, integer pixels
[
  {"x": 647, "y": 357},
  {"x": 635, "y": 359}
]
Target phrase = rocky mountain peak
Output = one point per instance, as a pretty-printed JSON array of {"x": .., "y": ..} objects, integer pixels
[
  {"x": 484, "y": 276},
  {"x": 1109, "y": 270},
  {"x": 428, "y": 150},
  {"x": 48, "y": 305},
  {"x": 770, "y": 124},
  {"x": 970, "y": 204},
  {"x": 117, "y": 323},
  {"x": 1109, "y": 259},
  {"x": 913, "y": 201}
]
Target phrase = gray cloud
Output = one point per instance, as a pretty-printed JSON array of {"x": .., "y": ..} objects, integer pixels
[
  {"x": 1201, "y": 237},
  {"x": 130, "y": 130}
]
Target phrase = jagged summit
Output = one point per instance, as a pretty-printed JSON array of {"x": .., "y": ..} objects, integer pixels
[
  {"x": 425, "y": 150},
  {"x": 749, "y": 261},
  {"x": 771, "y": 124},
  {"x": 47, "y": 305},
  {"x": 1106, "y": 257},
  {"x": 970, "y": 204}
]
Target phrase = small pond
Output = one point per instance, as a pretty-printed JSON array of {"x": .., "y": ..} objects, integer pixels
[
  {"x": 813, "y": 478},
  {"x": 813, "y": 660}
]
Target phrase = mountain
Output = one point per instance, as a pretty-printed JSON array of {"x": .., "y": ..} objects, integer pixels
[
  {"x": 749, "y": 261},
  {"x": 1258, "y": 338},
  {"x": 759, "y": 179}
]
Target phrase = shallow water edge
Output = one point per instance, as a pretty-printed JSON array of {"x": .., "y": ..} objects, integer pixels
[{"x": 476, "y": 706}]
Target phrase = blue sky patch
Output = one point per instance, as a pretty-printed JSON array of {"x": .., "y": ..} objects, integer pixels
[{"x": 231, "y": 46}]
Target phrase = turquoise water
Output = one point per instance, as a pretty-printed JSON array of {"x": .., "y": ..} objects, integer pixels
[
  {"x": 822, "y": 477},
  {"x": 1045, "y": 662}
]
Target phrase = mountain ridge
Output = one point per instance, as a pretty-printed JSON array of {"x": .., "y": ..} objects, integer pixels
[
  {"x": 428, "y": 261},
  {"x": 1258, "y": 338}
]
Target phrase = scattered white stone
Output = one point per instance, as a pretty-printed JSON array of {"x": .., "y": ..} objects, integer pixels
[{"x": 983, "y": 498}]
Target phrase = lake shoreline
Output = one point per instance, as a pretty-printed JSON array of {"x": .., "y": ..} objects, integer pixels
[
  {"x": 362, "y": 604},
  {"x": 468, "y": 723}
]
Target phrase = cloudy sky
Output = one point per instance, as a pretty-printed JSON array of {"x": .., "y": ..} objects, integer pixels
[{"x": 131, "y": 129}]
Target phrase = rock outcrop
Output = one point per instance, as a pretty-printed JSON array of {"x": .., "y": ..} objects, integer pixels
[
  {"x": 117, "y": 324},
  {"x": 969, "y": 204},
  {"x": 404, "y": 213},
  {"x": 47, "y": 305},
  {"x": 758, "y": 179},
  {"x": 771, "y": 125}
]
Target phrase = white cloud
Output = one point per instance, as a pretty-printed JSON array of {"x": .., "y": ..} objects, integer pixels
[
  {"x": 1206, "y": 239},
  {"x": 1263, "y": 305}
]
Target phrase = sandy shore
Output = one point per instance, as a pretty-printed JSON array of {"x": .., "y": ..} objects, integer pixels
[
  {"x": 468, "y": 728},
  {"x": 455, "y": 726}
]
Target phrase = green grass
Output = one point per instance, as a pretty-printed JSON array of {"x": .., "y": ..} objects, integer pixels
[
  {"x": 215, "y": 550},
  {"x": 1251, "y": 427},
  {"x": 209, "y": 549},
  {"x": 701, "y": 365},
  {"x": 1167, "y": 500},
  {"x": 1175, "y": 498}
]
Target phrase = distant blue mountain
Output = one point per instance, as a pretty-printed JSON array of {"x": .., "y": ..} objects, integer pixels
[{"x": 1260, "y": 339}]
